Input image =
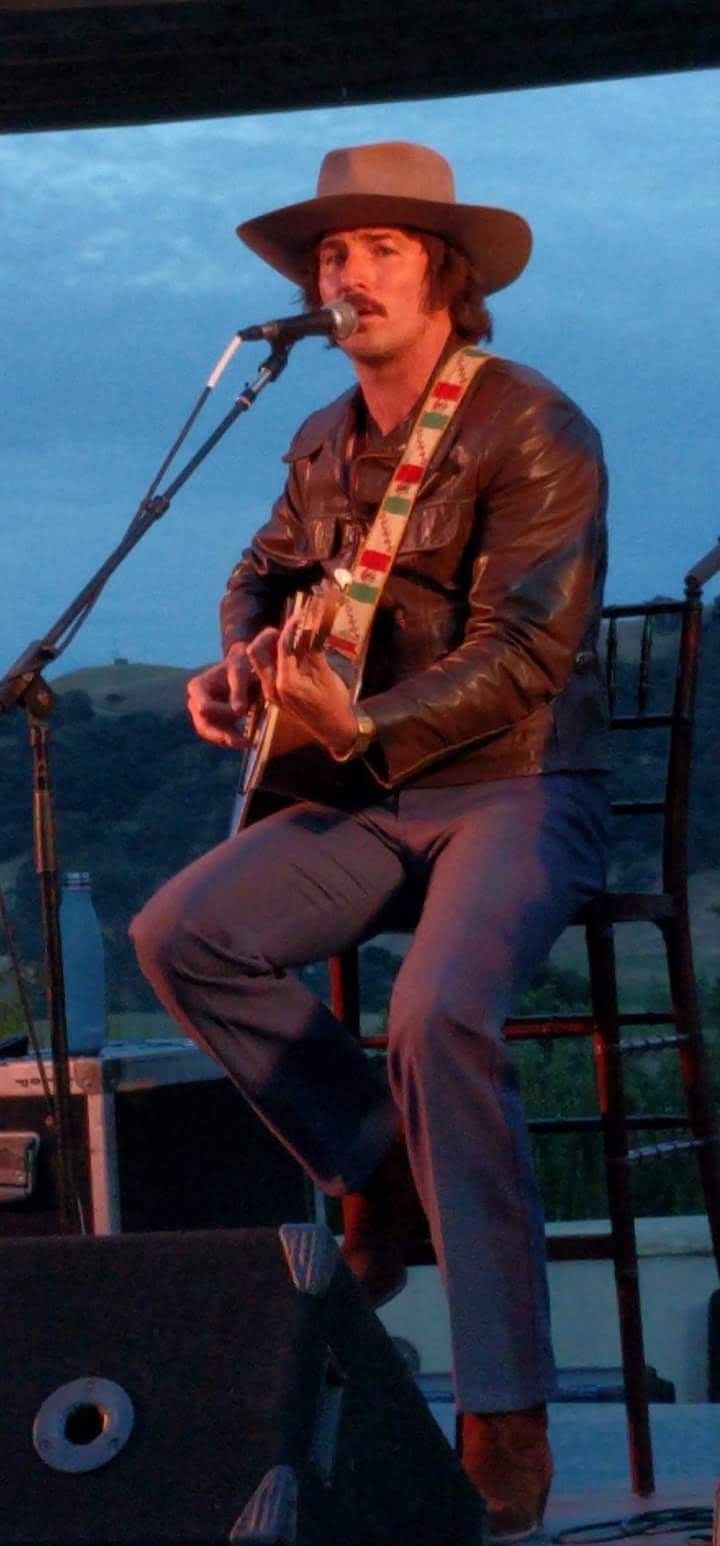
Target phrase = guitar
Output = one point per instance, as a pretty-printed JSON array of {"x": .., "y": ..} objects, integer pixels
[{"x": 282, "y": 760}]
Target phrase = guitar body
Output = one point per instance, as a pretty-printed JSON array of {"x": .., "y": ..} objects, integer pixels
[{"x": 283, "y": 764}]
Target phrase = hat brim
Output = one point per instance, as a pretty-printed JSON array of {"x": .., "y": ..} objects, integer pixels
[{"x": 496, "y": 241}]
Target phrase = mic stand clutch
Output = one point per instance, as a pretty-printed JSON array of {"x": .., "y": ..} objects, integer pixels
[{"x": 24, "y": 685}]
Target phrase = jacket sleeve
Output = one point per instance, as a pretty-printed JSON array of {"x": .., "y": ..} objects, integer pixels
[
  {"x": 539, "y": 540},
  {"x": 276, "y": 564}
]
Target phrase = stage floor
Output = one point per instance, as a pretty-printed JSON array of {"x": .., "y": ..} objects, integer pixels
[{"x": 592, "y": 1474}]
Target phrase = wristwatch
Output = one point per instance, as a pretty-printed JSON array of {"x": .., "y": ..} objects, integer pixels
[{"x": 366, "y": 732}]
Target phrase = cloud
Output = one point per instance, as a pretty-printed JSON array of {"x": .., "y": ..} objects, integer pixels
[{"x": 155, "y": 206}]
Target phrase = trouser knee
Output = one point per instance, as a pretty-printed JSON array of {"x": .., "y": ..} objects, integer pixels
[
  {"x": 170, "y": 948},
  {"x": 433, "y": 1029},
  {"x": 154, "y": 937}
]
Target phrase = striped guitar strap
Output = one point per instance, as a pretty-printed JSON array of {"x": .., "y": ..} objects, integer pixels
[{"x": 362, "y": 592}]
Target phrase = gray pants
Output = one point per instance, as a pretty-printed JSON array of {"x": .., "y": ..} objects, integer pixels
[{"x": 502, "y": 866}]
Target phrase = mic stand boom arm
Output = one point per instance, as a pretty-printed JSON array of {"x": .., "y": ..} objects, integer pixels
[{"x": 24, "y": 685}]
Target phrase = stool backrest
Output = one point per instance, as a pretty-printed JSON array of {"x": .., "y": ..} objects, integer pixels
[{"x": 665, "y": 659}]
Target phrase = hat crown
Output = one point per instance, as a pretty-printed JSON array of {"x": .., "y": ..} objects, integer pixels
[
  {"x": 394, "y": 183},
  {"x": 395, "y": 169}
]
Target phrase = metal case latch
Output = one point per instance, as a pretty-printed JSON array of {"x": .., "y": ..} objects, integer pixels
[{"x": 18, "y": 1165}]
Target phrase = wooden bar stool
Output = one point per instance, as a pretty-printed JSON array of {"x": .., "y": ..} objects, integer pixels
[{"x": 606, "y": 1024}]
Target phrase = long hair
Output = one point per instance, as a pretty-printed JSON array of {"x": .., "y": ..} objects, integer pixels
[
  {"x": 455, "y": 283},
  {"x": 452, "y": 281}
]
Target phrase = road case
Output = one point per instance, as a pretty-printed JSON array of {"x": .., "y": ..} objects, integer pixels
[{"x": 162, "y": 1140}]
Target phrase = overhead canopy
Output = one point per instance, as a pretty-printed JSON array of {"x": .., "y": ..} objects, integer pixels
[{"x": 84, "y": 64}]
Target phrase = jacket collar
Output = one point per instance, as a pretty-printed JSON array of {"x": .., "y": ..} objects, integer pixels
[
  {"x": 332, "y": 425},
  {"x": 329, "y": 426}
]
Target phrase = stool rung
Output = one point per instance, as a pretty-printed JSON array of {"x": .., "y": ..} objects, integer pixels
[
  {"x": 664, "y": 1150},
  {"x": 642, "y": 722},
  {"x": 637, "y": 1122},
  {"x": 647, "y": 1017},
  {"x": 651, "y": 1043},
  {"x": 582, "y": 1023},
  {"x": 638, "y": 807},
  {"x": 548, "y": 1027},
  {"x": 557, "y": 1027}
]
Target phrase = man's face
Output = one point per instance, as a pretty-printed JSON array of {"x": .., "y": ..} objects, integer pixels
[{"x": 383, "y": 271}]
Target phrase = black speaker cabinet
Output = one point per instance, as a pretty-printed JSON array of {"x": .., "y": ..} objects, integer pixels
[
  {"x": 162, "y": 1140},
  {"x": 225, "y": 1386}
]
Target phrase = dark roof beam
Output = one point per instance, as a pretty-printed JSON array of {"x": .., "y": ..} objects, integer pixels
[{"x": 113, "y": 64}]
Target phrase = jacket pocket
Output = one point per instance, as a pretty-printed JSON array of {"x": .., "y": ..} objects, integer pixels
[
  {"x": 434, "y": 526},
  {"x": 322, "y": 537}
]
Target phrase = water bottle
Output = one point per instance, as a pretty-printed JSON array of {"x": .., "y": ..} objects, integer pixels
[{"x": 83, "y": 955}]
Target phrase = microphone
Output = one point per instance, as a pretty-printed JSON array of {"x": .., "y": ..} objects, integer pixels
[{"x": 337, "y": 321}]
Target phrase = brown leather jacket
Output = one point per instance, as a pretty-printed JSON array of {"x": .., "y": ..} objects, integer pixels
[{"x": 483, "y": 658}]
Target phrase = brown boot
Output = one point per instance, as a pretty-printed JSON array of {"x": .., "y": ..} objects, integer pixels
[
  {"x": 508, "y": 1458},
  {"x": 378, "y": 1222}
]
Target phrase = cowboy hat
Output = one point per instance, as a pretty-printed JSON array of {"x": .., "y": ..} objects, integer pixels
[{"x": 394, "y": 184}]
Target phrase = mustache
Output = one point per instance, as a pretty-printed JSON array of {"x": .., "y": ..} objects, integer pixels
[{"x": 364, "y": 303}]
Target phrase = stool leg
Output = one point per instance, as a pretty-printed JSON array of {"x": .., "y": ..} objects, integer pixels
[
  {"x": 694, "y": 1067},
  {"x": 608, "y": 1073},
  {"x": 344, "y": 973}
]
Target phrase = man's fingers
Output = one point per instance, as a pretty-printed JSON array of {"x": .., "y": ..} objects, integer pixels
[
  {"x": 238, "y": 678},
  {"x": 262, "y": 652},
  {"x": 262, "y": 655},
  {"x": 213, "y": 716},
  {"x": 287, "y": 640},
  {"x": 222, "y": 728},
  {"x": 215, "y": 721},
  {"x": 212, "y": 681},
  {"x": 217, "y": 737}
]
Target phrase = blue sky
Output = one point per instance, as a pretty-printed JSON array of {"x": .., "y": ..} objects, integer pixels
[{"x": 123, "y": 280}]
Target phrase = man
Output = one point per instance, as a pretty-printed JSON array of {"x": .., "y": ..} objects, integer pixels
[{"x": 468, "y": 775}]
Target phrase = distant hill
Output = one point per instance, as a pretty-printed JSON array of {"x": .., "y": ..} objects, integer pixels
[{"x": 126, "y": 687}]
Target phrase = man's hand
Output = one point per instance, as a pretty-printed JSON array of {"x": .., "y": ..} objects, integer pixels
[
  {"x": 217, "y": 699},
  {"x": 308, "y": 688}
]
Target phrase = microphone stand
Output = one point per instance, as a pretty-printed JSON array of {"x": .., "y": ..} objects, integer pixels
[{"x": 24, "y": 686}]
